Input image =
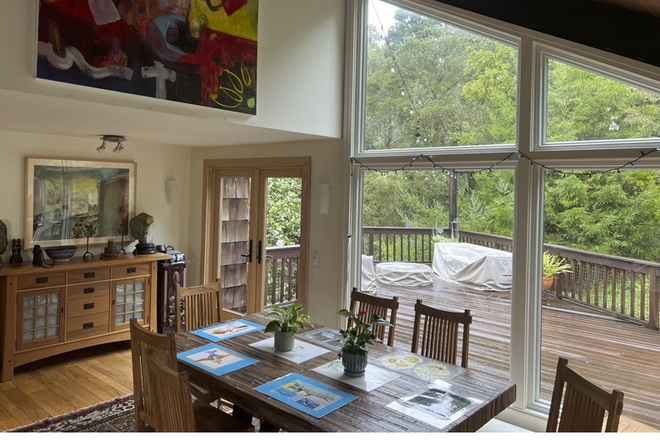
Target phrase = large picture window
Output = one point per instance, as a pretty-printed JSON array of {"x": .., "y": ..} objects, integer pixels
[
  {"x": 433, "y": 84},
  {"x": 449, "y": 92}
]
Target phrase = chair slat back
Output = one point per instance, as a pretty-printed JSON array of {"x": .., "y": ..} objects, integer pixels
[
  {"x": 202, "y": 306},
  {"x": 439, "y": 330},
  {"x": 160, "y": 346},
  {"x": 584, "y": 404},
  {"x": 385, "y": 308},
  {"x": 173, "y": 409}
]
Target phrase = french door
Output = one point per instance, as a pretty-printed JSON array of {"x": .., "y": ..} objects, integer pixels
[{"x": 255, "y": 231}]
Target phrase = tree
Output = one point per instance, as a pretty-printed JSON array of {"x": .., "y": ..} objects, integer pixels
[{"x": 283, "y": 213}]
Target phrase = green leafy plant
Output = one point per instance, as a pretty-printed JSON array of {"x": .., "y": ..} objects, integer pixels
[
  {"x": 553, "y": 265},
  {"x": 85, "y": 227},
  {"x": 288, "y": 319},
  {"x": 359, "y": 333}
]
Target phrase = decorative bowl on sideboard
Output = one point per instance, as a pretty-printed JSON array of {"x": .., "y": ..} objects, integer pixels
[{"x": 61, "y": 254}]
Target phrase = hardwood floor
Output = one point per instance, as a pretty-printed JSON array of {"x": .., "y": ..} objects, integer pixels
[{"x": 65, "y": 383}]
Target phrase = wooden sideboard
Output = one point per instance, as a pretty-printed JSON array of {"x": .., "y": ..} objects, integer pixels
[{"x": 48, "y": 311}]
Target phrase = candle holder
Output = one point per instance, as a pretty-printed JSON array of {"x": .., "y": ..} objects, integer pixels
[{"x": 121, "y": 229}]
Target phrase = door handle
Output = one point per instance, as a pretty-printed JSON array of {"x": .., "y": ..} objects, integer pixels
[
  {"x": 259, "y": 252},
  {"x": 249, "y": 255}
]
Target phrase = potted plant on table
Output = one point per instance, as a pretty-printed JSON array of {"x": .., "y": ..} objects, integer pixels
[
  {"x": 553, "y": 265},
  {"x": 359, "y": 333},
  {"x": 287, "y": 322}
]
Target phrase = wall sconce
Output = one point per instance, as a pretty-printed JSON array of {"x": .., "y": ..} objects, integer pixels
[
  {"x": 324, "y": 198},
  {"x": 112, "y": 138},
  {"x": 170, "y": 191}
]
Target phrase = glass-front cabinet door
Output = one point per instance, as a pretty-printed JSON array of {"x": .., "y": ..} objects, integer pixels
[
  {"x": 129, "y": 301},
  {"x": 40, "y": 316}
]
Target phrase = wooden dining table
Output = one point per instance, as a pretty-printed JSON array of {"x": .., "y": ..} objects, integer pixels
[{"x": 369, "y": 412}]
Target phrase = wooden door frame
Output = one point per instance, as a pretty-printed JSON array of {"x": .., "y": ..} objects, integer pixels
[{"x": 210, "y": 217}]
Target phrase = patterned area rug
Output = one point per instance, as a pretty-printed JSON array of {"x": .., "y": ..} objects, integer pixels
[{"x": 115, "y": 415}]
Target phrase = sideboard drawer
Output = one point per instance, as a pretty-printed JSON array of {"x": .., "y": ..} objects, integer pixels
[
  {"x": 84, "y": 326},
  {"x": 83, "y": 276},
  {"x": 130, "y": 270},
  {"x": 41, "y": 280},
  {"x": 87, "y": 306},
  {"x": 88, "y": 290}
]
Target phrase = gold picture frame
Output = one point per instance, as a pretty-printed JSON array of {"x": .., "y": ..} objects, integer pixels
[{"x": 68, "y": 199}]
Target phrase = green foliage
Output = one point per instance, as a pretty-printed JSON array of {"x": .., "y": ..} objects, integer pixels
[
  {"x": 85, "y": 227},
  {"x": 359, "y": 333},
  {"x": 553, "y": 265},
  {"x": 283, "y": 214},
  {"x": 288, "y": 319}
]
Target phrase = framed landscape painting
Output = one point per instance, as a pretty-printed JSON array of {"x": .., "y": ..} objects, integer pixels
[
  {"x": 66, "y": 198},
  {"x": 201, "y": 52}
]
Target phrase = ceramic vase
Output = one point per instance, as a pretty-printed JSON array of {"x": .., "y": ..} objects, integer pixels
[
  {"x": 547, "y": 283},
  {"x": 284, "y": 341},
  {"x": 354, "y": 364}
]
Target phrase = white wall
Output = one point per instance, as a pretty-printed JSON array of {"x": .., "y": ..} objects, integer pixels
[
  {"x": 327, "y": 232},
  {"x": 155, "y": 164},
  {"x": 300, "y": 68}
]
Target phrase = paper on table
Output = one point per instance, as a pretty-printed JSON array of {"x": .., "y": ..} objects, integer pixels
[
  {"x": 325, "y": 336},
  {"x": 420, "y": 367},
  {"x": 302, "y": 351},
  {"x": 372, "y": 379},
  {"x": 435, "y": 405},
  {"x": 309, "y": 396}
]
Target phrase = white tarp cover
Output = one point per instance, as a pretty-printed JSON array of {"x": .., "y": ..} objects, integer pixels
[
  {"x": 475, "y": 266},
  {"x": 398, "y": 273},
  {"x": 368, "y": 274}
]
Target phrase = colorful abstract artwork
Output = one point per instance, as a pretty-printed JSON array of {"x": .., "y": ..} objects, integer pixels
[{"x": 201, "y": 52}]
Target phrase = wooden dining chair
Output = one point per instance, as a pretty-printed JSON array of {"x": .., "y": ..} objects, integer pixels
[
  {"x": 163, "y": 347},
  {"x": 584, "y": 404},
  {"x": 173, "y": 407},
  {"x": 202, "y": 306},
  {"x": 435, "y": 333},
  {"x": 385, "y": 308}
]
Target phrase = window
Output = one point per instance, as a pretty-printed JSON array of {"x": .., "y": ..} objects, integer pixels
[
  {"x": 433, "y": 84},
  {"x": 454, "y": 92},
  {"x": 584, "y": 105}
]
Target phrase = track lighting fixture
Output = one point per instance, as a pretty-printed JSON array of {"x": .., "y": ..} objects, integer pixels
[{"x": 112, "y": 138}]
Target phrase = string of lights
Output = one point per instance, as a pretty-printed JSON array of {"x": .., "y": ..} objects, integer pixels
[
  {"x": 420, "y": 159},
  {"x": 396, "y": 69}
]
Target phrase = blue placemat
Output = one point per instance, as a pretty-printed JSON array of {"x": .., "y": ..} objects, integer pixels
[
  {"x": 226, "y": 330},
  {"x": 215, "y": 359},
  {"x": 308, "y": 395}
]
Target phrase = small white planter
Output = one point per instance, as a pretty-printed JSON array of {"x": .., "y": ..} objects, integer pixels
[{"x": 284, "y": 341}]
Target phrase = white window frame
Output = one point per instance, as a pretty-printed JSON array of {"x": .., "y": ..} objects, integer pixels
[{"x": 528, "y": 410}]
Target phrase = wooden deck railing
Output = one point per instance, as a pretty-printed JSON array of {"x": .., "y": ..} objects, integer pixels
[
  {"x": 618, "y": 286},
  {"x": 282, "y": 272},
  {"x": 414, "y": 245}
]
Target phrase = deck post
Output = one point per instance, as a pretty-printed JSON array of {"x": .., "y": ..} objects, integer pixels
[{"x": 654, "y": 301}]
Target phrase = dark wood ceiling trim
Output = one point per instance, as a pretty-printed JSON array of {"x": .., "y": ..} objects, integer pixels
[{"x": 602, "y": 24}]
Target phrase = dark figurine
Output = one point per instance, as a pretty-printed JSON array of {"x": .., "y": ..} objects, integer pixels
[
  {"x": 37, "y": 256},
  {"x": 16, "y": 257}
]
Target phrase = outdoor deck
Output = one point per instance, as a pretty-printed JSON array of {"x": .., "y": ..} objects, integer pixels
[{"x": 612, "y": 353}]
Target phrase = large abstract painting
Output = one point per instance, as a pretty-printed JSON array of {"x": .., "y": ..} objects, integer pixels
[{"x": 201, "y": 52}]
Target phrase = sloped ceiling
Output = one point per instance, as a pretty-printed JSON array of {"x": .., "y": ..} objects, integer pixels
[{"x": 629, "y": 28}]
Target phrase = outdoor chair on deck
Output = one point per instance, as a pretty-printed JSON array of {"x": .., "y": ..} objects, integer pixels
[
  {"x": 584, "y": 404},
  {"x": 173, "y": 408},
  {"x": 439, "y": 333},
  {"x": 203, "y": 306},
  {"x": 385, "y": 308}
]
